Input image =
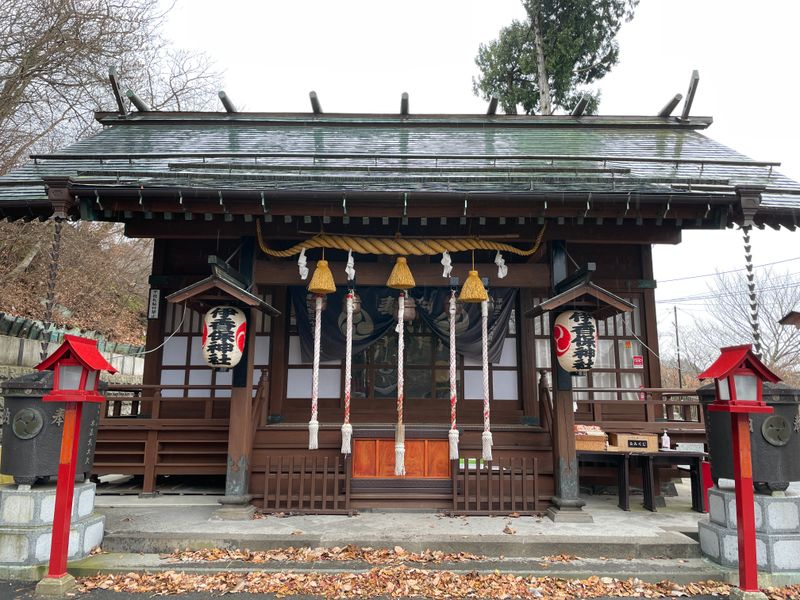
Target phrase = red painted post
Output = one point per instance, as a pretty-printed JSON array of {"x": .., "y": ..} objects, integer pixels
[
  {"x": 745, "y": 501},
  {"x": 708, "y": 482},
  {"x": 65, "y": 489}
]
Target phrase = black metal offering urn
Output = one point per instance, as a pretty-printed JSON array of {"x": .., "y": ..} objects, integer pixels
[
  {"x": 32, "y": 430},
  {"x": 774, "y": 439}
]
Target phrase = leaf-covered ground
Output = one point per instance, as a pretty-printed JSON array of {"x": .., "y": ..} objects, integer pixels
[
  {"x": 403, "y": 581},
  {"x": 379, "y": 556}
]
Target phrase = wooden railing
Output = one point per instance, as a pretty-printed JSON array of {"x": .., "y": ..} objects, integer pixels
[
  {"x": 318, "y": 485},
  {"x": 674, "y": 407},
  {"x": 500, "y": 487}
]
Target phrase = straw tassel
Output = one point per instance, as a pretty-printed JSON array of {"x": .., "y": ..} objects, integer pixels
[
  {"x": 313, "y": 435},
  {"x": 473, "y": 290},
  {"x": 400, "y": 431},
  {"x": 401, "y": 278},
  {"x": 347, "y": 429},
  {"x": 400, "y": 450},
  {"x": 322, "y": 279},
  {"x": 452, "y": 435},
  {"x": 486, "y": 438}
]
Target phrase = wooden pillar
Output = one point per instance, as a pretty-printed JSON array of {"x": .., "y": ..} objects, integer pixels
[
  {"x": 151, "y": 374},
  {"x": 650, "y": 332},
  {"x": 527, "y": 358},
  {"x": 236, "y": 502},
  {"x": 278, "y": 355},
  {"x": 566, "y": 504}
]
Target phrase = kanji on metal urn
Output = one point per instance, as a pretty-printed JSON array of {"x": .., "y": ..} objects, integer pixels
[{"x": 32, "y": 430}]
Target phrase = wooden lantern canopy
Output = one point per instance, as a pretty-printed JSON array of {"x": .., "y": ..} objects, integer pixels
[
  {"x": 575, "y": 329},
  {"x": 739, "y": 376}
]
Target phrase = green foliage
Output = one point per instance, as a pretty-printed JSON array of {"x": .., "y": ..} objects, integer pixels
[{"x": 579, "y": 47}]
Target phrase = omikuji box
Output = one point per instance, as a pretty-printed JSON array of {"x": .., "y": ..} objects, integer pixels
[{"x": 629, "y": 442}]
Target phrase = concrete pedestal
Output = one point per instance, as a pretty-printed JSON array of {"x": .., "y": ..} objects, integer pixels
[
  {"x": 777, "y": 531},
  {"x": 26, "y": 522}
]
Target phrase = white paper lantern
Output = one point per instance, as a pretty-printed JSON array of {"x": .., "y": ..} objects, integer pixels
[
  {"x": 224, "y": 335},
  {"x": 575, "y": 339}
]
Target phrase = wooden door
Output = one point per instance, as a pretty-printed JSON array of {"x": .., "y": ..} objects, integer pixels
[{"x": 425, "y": 459}]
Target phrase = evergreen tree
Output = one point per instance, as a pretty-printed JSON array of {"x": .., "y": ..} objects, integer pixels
[{"x": 547, "y": 61}]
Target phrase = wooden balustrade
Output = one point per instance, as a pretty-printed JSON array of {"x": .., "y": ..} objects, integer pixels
[
  {"x": 318, "y": 485},
  {"x": 499, "y": 487}
]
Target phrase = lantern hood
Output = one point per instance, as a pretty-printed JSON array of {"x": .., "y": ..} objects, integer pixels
[
  {"x": 223, "y": 286},
  {"x": 736, "y": 357},
  {"x": 81, "y": 349}
]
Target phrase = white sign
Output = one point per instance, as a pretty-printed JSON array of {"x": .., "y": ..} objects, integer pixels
[{"x": 153, "y": 304}]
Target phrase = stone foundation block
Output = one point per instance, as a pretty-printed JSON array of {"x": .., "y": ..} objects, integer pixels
[
  {"x": 26, "y": 522},
  {"x": 774, "y": 552},
  {"x": 36, "y": 506},
  {"x": 773, "y": 514}
]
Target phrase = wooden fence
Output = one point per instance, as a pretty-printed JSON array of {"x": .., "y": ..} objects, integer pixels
[
  {"x": 318, "y": 485},
  {"x": 499, "y": 487}
]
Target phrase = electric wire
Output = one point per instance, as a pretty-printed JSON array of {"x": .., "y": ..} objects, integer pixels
[{"x": 777, "y": 262}]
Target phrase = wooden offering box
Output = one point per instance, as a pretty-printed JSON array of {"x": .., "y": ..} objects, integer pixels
[
  {"x": 629, "y": 442},
  {"x": 590, "y": 442}
]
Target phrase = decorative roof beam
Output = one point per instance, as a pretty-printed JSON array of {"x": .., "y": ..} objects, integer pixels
[
  {"x": 670, "y": 106},
  {"x": 226, "y": 102},
  {"x": 140, "y": 104},
  {"x": 687, "y": 106},
  {"x": 114, "y": 79},
  {"x": 316, "y": 107},
  {"x": 492, "y": 110},
  {"x": 404, "y": 104}
]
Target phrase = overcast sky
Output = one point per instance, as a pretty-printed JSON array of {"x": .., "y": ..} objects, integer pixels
[{"x": 360, "y": 55}]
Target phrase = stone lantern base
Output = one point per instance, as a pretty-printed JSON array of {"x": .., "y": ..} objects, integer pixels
[
  {"x": 26, "y": 523},
  {"x": 777, "y": 531}
]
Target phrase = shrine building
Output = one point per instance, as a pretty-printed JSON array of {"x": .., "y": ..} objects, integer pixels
[{"x": 250, "y": 376}]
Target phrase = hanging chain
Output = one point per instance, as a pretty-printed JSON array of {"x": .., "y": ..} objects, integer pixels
[
  {"x": 52, "y": 276},
  {"x": 751, "y": 288}
]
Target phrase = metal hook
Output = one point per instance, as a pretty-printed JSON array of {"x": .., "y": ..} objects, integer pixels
[
  {"x": 669, "y": 202},
  {"x": 344, "y": 205},
  {"x": 140, "y": 197},
  {"x": 97, "y": 199},
  {"x": 708, "y": 210},
  {"x": 465, "y": 206},
  {"x": 180, "y": 197},
  {"x": 588, "y": 204},
  {"x": 219, "y": 192},
  {"x": 627, "y": 204},
  {"x": 405, "y": 204},
  {"x": 263, "y": 204}
]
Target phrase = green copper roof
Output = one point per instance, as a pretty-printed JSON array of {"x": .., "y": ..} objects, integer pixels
[{"x": 425, "y": 153}]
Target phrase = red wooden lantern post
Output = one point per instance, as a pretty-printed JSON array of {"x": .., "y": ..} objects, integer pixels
[
  {"x": 738, "y": 376},
  {"x": 76, "y": 365}
]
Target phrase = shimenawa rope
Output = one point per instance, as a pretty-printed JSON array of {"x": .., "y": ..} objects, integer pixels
[{"x": 396, "y": 246}]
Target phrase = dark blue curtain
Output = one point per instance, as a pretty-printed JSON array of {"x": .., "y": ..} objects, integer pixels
[{"x": 378, "y": 316}]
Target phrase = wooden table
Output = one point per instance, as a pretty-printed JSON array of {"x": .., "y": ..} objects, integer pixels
[{"x": 647, "y": 461}]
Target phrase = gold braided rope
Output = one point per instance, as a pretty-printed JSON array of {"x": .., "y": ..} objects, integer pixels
[{"x": 398, "y": 246}]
